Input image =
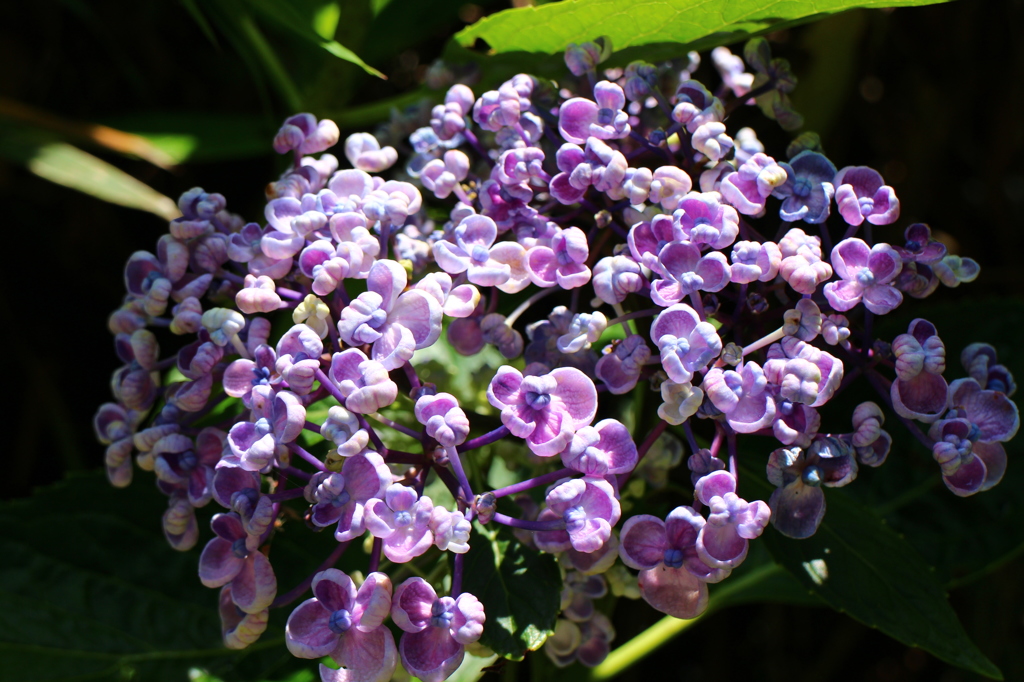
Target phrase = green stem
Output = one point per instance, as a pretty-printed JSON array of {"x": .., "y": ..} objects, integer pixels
[{"x": 668, "y": 627}]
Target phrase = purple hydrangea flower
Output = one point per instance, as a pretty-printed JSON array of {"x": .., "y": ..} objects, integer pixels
[
  {"x": 364, "y": 383},
  {"x": 232, "y": 557},
  {"x": 341, "y": 497},
  {"x": 588, "y": 641},
  {"x": 919, "y": 391},
  {"x": 402, "y": 521},
  {"x": 620, "y": 368},
  {"x": 397, "y": 323},
  {"x": 599, "y": 166},
  {"x": 687, "y": 345},
  {"x": 364, "y": 152},
  {"x": 238, "y": 628},
  {"x": 346, "y": 625},
  {"x": 802, "y": 266},
  {"x": 669, "y": 185},
  {"x": 449, "y": 119},
  {"x": 441, "y": 176},
  {"x": 563, "y": 263},
  {"x": 753, "y": 261},
  {"x": 706, "y": 221},
  {"x": 732, "y": 521},
  {"x": 304, "y": 134},
  {"x": 673, "y": 577},
  {"x": 475, "y": 253},
  {"x": 861, "y": 194},
  {"x": 545, "y": 410},
  {"x": 683, "y": 271},
  {"x": 798, "y": 503},
  {"x": 804, "y": 374},
  {"x": 588, "y": 507},
  {"x": 979, "y": 359},
  {"x": 601, "y": 449},
  {"x": 968, "y": 465},
  {"x": 867, "y": 273},
  {"x": 437, "y": 629},
  {"x": 808, "y": 190},
  {"x": 444, "y": 419},
  {"x": 615, "y": 278},
  {"x": 696, "y": 106},
  {"x": 749, "y": 187},
  {"x": 277, "y": 420},
  {"x": 742, "y": 396},
  {"x": 580, "y": 119}
]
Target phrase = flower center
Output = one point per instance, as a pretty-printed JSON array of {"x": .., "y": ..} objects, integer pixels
[
  {"x": 403, "y": 519},
  {"x": 605, "y": 116},
  {"x": 260, "y": 376},
  {"x": 811, "y": 476},
  {"x": 481, "y": 254},
  {"x": 340, "y": 621},
  {"x": 537, "y": 401},
  {"x": 575, "y": 518},
  {"x": 239, "y": 549},
  {"x": 801, "y": 187},
  {"x": 673, "y": 557},
  {"x": 441, "y": 612}
]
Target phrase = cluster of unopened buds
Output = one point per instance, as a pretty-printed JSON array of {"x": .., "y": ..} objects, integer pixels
[{"x": 643, "y": 201}]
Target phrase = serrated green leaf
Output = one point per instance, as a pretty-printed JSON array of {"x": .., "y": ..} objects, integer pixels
[
  {"x": 857, "y": 564},
  {"x": 676, "y": 26},
  {"x": 519, "y": 588}
]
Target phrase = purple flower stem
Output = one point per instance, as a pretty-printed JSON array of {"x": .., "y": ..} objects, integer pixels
[
  {"x": 377, "y": 442},
  {"x": 554, "y": 524},
  {"x": 326, "y": 382},
  {"x": 230, "y": 276},
  {"x": 398, "y": 427},
  {"x": 475, "y": 144},
  {"x": 694, "y": 447},
  {"x": 651, "y": 437},
  {"x": 332, "y": 331},
  {"x": 633, "y": 316},
  {"x": 460, "y": 474},
  {"x": 737, "y": 102},
  {"x": 486, "y": 439},
  {"x": 286, "y": 495},
  {"x": 730, "y": 439},
  {"x": 385, "y": 240},
  {"x": 310, "y": 458},
  {"x": 698, "y": 304},
  {"x": 851, "y": 231},
  {"x": 534, "y": 482},
  {"x": 457, "y": 575},
  {"x": 882, "y": 385},
  {"x": 310, "y": 426},
  {"x": 400, "y": 457},
  {"x": 296, "y": 473},
  {"x": 410, "y": 373},
  {"x": 449, "y": 481},
  {"x": 300, "y": 589},
  {"x": 716, "y": 444},
  {"x": 288, "y": 293},
  {"x": 378, "y": 545},
  {"x": 525, "y": 305}
]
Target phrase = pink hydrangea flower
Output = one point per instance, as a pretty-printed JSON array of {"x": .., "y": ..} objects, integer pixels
[
  {"x": 861, "y": 194},
  {"x": 741, "y": 395},
  {"x": 588, "y": 507},
  {"x": 402, "y": 521}
]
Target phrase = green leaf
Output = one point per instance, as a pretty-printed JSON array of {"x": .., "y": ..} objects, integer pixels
[
  {"x": 71, "y": 167},
  {"x": 198, "y": 136},
  {"x": 519, "y": 588},
  {"x": 674, "y": 26},
  {"x": 857, "y": 564},
  {"x": 89, "y": 590},
  {"x": 285, "y": 15}
]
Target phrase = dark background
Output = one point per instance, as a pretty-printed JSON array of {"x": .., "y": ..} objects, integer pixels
[{"x": 930, "y": 96}]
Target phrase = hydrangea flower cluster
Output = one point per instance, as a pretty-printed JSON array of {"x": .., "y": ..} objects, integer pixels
[{"x": 643, "y": 198}]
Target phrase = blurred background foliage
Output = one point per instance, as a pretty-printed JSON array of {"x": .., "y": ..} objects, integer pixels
[{"x": 109, "y": 110}]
